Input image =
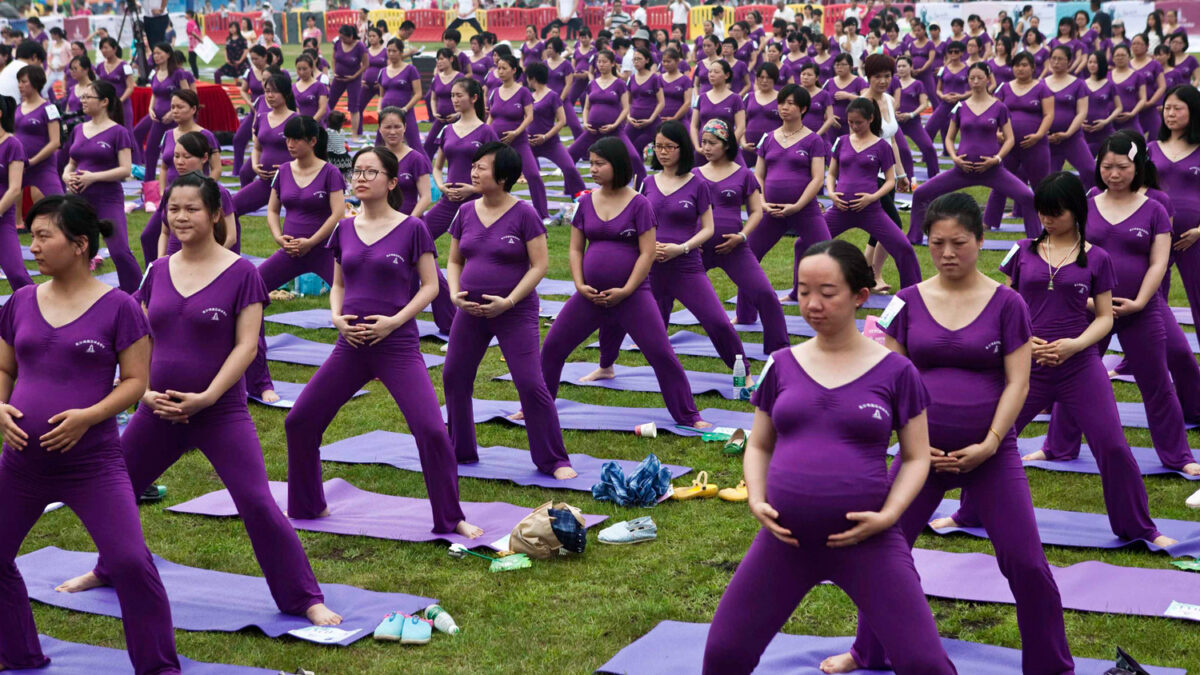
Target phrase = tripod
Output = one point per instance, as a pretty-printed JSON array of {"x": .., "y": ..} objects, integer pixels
[{"x": 133, "y": 13}]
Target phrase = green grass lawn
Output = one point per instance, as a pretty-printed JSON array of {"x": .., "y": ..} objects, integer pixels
[{"x": 572, "y": 615}]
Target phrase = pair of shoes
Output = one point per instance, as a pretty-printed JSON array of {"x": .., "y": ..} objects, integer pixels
[
  {"x": 737, "y": 443},
  {"x": 154, "y": 493},
  {"x": 630, "y": 532},
  {"x": 404, "y": 628},
  {"x": 734, "y": 494},
  {"x": 699, "y": 489}
]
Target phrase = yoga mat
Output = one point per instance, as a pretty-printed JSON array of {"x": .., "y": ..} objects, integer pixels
[
  {"x": 674, "y": 647},
  {"x": 1183, "y": 315},
  {"x": 73, "y": 658},
  {"x": 1089, "y": 530},
  {"x": 370, "y": 514},
  {"x": 288, "y": 348},
  {"x": 1087, "y": 586},
  {"x": 1131, "y": 414},
  {"x": 320, "y": 318},
  {"x": 1115, "y": 345},
  {"x": 591, "y": 417},
  {"x": 288, "y": 393},
  {"x": 795, "y": 325},
  {"x": 641, "y": 378},
  {"x": 495, "y": 463},
  {"x": 687, "y": 343},
  {"x": 243, "y": 601},
  {"x": 874, "y": 301},
  {"x": 27, "y": 255}
]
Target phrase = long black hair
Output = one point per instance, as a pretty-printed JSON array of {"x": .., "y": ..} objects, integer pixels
[
  {"x": 305, "y": 128},
  {"x": 106, "y": 92},
  {"x": 1059, "y": 193},
  {"x": 473, "y": 91},
  {"x": 74, "y": 216},
  {"x": 868, "y": 109},
  {"x": 391, "y": 168}
]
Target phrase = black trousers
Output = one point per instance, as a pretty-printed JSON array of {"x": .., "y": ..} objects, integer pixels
[{"x": 472, "y": 22}]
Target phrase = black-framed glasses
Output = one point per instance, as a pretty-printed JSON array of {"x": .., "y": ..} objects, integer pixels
[{"x": 365, "y": 174}]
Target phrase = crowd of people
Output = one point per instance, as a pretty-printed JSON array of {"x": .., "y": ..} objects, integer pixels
[{"x": 701, "y": 154}]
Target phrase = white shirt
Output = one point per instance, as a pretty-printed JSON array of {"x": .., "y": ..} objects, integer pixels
[
  {"x": 856, "y": 48},
  {"x": 566, "y": 10},
  {"x": 639, "y": 15},
  {"x": 680, "y": 11},
  {"x": 719, "y": 30},
  {"x": 626, "y": 62},
  {"x": 466, "y": 9},
  {"x": 787, "y": 14},
  {"x": 8, "y": 79}
]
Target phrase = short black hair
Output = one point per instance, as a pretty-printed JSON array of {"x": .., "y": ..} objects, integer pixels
[
  {"x": 74, "y": 216},
  {"x": 506, "y": 163},
  {"x": 1190, "y": 97},
  {"x": 1057, "y": 193},
  {"x": 612, "y": 150},
  {"x": 1121, "y": 144},
  {"x": 958, "y": 206},
  {"x": 32, "y": 49},
  {"x": 855, "y": 269},
  {"x": 675, "y": 132}
]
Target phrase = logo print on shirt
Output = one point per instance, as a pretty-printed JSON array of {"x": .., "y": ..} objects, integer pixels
[
  {"x": 406, "y": 176},
  {"x": 93, "y": 346},
  {"x": 104, "y": 144},
  {"x": 32, "y": 121},
  {"x": 396, "y": 258},
  {"x": 1195, "y": 170},
  {"x": 510, "y": 239},
  {"x": 1140, "y": 231},
  {"x": 628, "y": 232},
  {"x": 1083, "y": 288},
  {"x": 477, "y": 144},
  {"x": 993, "y": 346},
  {"x": 877, "y": 411},
  {"x": 686, "y": 203},
  {"x": 216, "y": 313},
  {"x": 729, "y": 193}
]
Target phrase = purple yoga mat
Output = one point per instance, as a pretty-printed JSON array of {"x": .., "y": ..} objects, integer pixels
[
  {"x": 674, "y": 647},
  {"x": 1115, "y": 346},
  {"x": 1090, "y": 530},
  {"x": 495, "y": 463},
  {"x": 370, "y": 514},
  {"x": 590, "y": 417},
  {"x": 1087, "y": 586},
  {"x": 1111, "y": 361},
  {"x": 288, "y": 393},
  {"x": 319, "y": 318},
  {"x": 291, "y": 349},
  {"x": 1131, "y": 414},
  {"x": 27, "y": 255},
  {"x": 73, "y": 658},
  {"x": 687, "y": 343},
  {"x": 242, "y": 602},
  {"x": 875, "y": 301},
  {"x": 796, "y": 325},
  {"x": 641, "y": 378},
  {"x": 991, "y": 244}
]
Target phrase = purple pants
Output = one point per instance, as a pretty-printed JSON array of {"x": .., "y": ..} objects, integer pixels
[
  {"x": 441, "y": 214},
  {"x": 226, "y": 435},
  {"x": 110, "y": 204},
  {"x": 368, "y": 91},
  {"x": 554, "y": 151},
  {"x": 149, "y": 133},
  {"x": 744, "y": 271},
  {"x": 580, "y": 317},
  {"x": 442, "y": 307},
  {"x": 1150, "y": 120},
  {"x": 876, "y": 222},
  {"x": 430, "y": 143},
  {"x": 150, "y": 235},
  {"x": 929, "y": 155},
  {"x": 412, "y": 135},
  {"x": 137, "y": 155},
  {"x": 579, "y": 87},
  {"x": 1006, "y": 512},
  {"x": 939, "y": 121},
  {"x": 253, "y": 196},
  {"x": 997, "y": 178},
  {"x": 1081, "y": 389},
  {"x": 809, "y": 227},
  {"x": 241, "y": 139},
  {"x": 1145, "y": 338},
  {"x": 45, "y": 176},
  {"x": 640, "y": 138},
  {"x": 353, "y": 90},
  {"x": 533, "y": 175},
  {"x": 1075, "y": 151},
  {"x": 103, "y": 499},
  {"x": 573, "y": 122},
  {"x": 1188, "y": 261},
  {"x": 519, "y": 335},
  {"x": 11, "y": 261},
  {"x": 682, "y": 279},
  {"x": 1031, "y": 165},
  {"x": 397, "y": 362},
  {"x": 878, "y": 575},
  {"x": 579, "y": 150}
]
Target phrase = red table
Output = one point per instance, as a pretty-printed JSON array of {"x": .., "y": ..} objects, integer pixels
[{"x": 216, "y": 110}]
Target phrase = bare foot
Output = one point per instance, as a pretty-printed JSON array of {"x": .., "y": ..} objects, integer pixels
[
  {"x": 942, "y": 523},
  {"x": 1164, "y": 541},
  {"x": 83, "y": 582},
  {"x": 269, "y": 396},
  {"x": 1191, "y": 469},
  {"x": 1035, "y": 456},
  {"x": 599, "y": 374},
  {"x": 702, "y": 425},
  {"x": 841, "y": 663},
  {"x": 564, "y": 473},
  {"x": 322, "y": 514},
  {"x": 468, "y": 530},
  {"x": 320, "y": 615},
  {"x": 880, "y": 289},
  {"x": 517, "y": 416},
  {"x": 1112, "y": 374}
]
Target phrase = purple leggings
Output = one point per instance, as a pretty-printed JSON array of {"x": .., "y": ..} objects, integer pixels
[
  {"x": 573, "y": 122},
  {"x": 241, "y": 140},
  {"x": 441, "y": 214},
  {"x": 45, "y": 176},
  {"x": 226, "y": 435},
  {"x": 1006, "y": 512},
  {"x": 137, "y": 155},
  {"x": 430, "y": 143},
  {"x": 876, "y": 222},
  {"x": 1081, "y": 389},
  {"x": 682, "y": 279},
  {"x": 1187, "y": 216},
  {"x": 579, "y": 87},
  {"x": 353, "y": 90},
  {"x": 518, "y": 333},
  {"x": 997, "y": 178},
  {"x": 554, "y": 151},
  {"x": 640, "y": 138},
  {"x": 150, "y": 235},
  {"x": 102, "y": 498},
  {"x": 753, "y": 285},
  {"x": 11, "y": 260},
  {"x": 1075, "y": 151},
  {"x": 397, "y": 362},
  {"x": 1150, "y": 120},
  {"x": 878, "y": 575},
  {"x": 809, "y": 227},
  {"x": 368, "y": 91},
  {"x": 533, "y": 174},
  {"x": 939, "y": 121},
  {"x": 580, "y": 317},
  {"x": 110, "y": 204},
  {"x": 929, "y": 155},
  {"x": 1030, "y": 165},
  {"x": 579, "y": 150},
  {"x": 253, "y": 196},
  {"x": 1145, "y": 339},
  {"x": 149, "y": 134}
]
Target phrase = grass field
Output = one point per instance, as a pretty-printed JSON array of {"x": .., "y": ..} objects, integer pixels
[{"x": 572, "y": 615}]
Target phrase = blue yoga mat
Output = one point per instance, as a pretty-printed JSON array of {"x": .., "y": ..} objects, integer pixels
[
  {"x": 874, "y": 301},
  {"x": 319, "y": 318},
  {"x": 73, "y": 658},
  {"x": 687, "y": 343},
  {"x": 495, "y": 463},
  {"x": 1132, "y": 415},
  {"x": 1115, "y": 345},
  {"x": 288, "y": 393},
  {"x": 641, "y": 378},
  {"x": 590, "y": 417},
  {"x": 288, "y": 348}
]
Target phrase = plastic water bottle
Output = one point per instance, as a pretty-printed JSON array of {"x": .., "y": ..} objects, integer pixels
[
  {"x": 739, "y": 377},
  {"x": 442, "y": 620}
]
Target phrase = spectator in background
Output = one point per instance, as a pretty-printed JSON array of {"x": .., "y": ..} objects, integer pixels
[
  {"x": 311, "y": 32},
  {"x": 1103, "y": 18},
  {"x": 680, "y": 14},
  {"x": 616, "y": 17},
  {"x": 58, "y": 57},
  {"x": 466, "y": 14},
  {"x": 639, "y": 14},
  {"x": 782, "y": 11},
  {"x": 235, "y": 55},
  {"x": 194, "y": 39}
]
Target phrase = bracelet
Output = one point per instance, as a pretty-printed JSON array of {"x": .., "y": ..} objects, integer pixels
[
  {"x": 511, "y": 304},
  {"x": 993, "y": 431},
  {"x": 744, "y": 237}
]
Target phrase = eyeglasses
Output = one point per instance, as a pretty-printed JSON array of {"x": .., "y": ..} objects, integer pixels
[
  {"x": 88, "y": 97},
  {"x": 665, "y": 147},
  {"x": 365, "y": 174}
]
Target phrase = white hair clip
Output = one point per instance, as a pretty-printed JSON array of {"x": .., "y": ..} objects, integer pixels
[{"x": 1133, "y": 152}]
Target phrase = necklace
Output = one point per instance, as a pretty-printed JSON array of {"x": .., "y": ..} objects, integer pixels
[
  {"x": 1054, "y": 269},
  {"x": 786, "y": 135}
]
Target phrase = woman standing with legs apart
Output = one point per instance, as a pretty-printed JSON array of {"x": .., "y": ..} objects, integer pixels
[
  {"x": 192, "y": 153},
  {"x": 498, "y": 254},
  {"x": 455, "y": 149},
  {"x": 1176, "y": 155},
  {"x": 1067, "y": 143},
  {"x": 441, "y": 108},
  {"x": 510, "y": 112},
  {"x": 816, "y": 472},
  {"x": 401, "y": 85},
  {"x": 120, "y": 75},
  {"x": 12, "y": 170},
  {"x": 100, "y": 151},
  {"x": 852, "y": 182},
  {"x": 682, "y": 203},
  {"x": 967, "y": 333},
  {"x": 1058, "y": 274},
  {"x": 604, "y": 114},
  {"x": 350, "y": 61},
  {"x": 616, "y": 226},
  {"x": 377, "y": 253},
  {"x": 60, "y": 433},
  {"x": 1030, "y": 106},
  {"x": 977, "y": 124},
  {"x": 205, "y": 309},
  {"x": 549, "y": 117},
  {"x": 164, "y": 80},
  {"x": 270, "y": 147}
]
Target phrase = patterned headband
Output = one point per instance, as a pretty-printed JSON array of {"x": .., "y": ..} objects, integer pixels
[{"x": 718, "y": 128}]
